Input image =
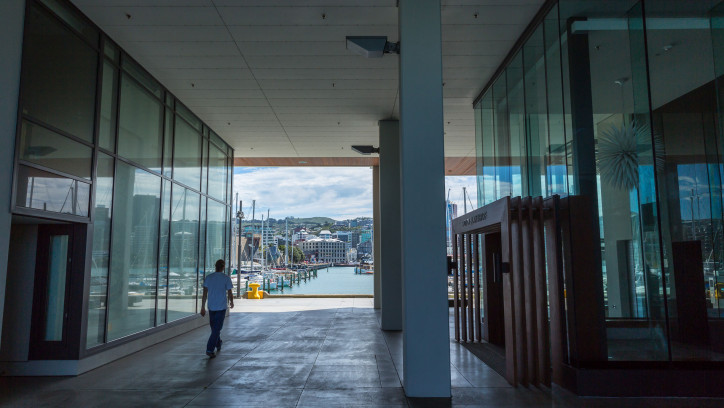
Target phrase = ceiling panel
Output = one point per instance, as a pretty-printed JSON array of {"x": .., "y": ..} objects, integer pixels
[{"x": 274, "y": 78}]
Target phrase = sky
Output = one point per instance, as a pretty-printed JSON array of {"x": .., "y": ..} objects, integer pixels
[{"x": 335, "y": 192}]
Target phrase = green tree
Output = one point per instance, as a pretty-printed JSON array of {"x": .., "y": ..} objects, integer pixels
[{"x": 297, "y": 254}]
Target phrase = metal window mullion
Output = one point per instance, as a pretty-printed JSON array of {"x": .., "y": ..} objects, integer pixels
[
  {"x": 110, "y": 250},
  {"x": 47, "y": 126}
]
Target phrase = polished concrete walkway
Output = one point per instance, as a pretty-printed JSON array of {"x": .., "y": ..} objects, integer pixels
[{"x": 287, "y": 353}]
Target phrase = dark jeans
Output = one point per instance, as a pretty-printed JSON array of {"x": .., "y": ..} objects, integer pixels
[{"x": 216, "y": 320}]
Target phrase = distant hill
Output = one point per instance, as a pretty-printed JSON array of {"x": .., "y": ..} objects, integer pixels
[{"x": 312, "y": 220}]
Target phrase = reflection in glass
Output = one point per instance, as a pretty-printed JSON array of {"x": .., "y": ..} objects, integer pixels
[
  {"x": 108, "y": 108},
  {"x": 101, "y": 251},
  {"x": 168, "y": 143},
  {"x": 187, "y": 155},
  {"x": 183, "y": 259},
  {"x": 217, "y": 173},
  {"x": 136, "y": 208},
  {"x": 59, "y": 76},
  {"x": 140, "y": 125},
  {"x": 516, "y": 127},
  {"x": 215, "y": 233},
  {"x": 202, "y": 251},
  {"x": 163, "y": 251},
  {"x": 41, "y": 146},
  {"x": 57, "y": 268},
  {"x": 49, "y": 192},
  {"x": 687, "y": 124}
]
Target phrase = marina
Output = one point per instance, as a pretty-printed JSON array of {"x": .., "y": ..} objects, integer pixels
[{"x": 332, "y": 280}]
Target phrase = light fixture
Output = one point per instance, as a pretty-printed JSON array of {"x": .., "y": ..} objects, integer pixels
[
  {"x": 366, "y": 150},
  {"x": 372, "y": 46}
]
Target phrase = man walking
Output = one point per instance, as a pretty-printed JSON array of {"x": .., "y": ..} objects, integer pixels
[{"x": 217, "y": 287}]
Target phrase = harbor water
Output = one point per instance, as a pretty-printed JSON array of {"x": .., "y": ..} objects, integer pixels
[{"x": 333, "y": 281}]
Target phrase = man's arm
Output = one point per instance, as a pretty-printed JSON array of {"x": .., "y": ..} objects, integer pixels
[
  {"x": 203, "y": 301},
  {"x": 230, "y": 296}
]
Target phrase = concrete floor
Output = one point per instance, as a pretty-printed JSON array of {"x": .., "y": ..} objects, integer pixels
[{"x": 288, "y": 353}]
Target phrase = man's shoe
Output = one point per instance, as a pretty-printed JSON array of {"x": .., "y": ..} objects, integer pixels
[
  {"x": 218, "y": 347},
  {"x": 211, "y": 354}
]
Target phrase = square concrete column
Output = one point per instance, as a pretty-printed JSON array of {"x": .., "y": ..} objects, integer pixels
[
  {"x": 12, "y": 15},
  {"x": 426, "y": 341},
  {"x": 376, "y": 240},
  {"x": 391, "y": 248}
]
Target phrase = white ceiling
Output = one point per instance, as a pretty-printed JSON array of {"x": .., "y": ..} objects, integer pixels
[{"x": 274, "y": 79}]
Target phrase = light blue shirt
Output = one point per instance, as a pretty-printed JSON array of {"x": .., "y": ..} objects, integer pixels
[{"x": 217, "y": 283}]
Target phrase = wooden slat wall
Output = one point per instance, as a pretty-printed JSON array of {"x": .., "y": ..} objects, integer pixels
[
  {"x": 528, "y": 335},
  {"x": 456, "y": 286}
]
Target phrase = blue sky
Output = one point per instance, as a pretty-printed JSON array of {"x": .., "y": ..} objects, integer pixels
[{"x": 335, "y": 192}]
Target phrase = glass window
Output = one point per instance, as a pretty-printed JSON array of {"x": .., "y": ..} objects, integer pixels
[
  {"x": 204, "y": 164},
  {"x": 168, "y": 143},
  {"x": 215, "y": 139},
  {"x": 187, "y": 155},
  {"x": 229, "y": 178},
  {"x": 46, "y": 191},
  {"x": 141, "y": 126},
  {"x": 109, "y": 92},
  {"x": 202, "y": 252},
  {"x": 488, "y": 148},
  {"x": 516, "y": 127},
  {"x": 59, "y": 76},
  {"x": 163, "y": 253},
  {"x": 110, "y": 50},
  {"x": 101, "y": 250},
  {"x": 685, "y": 78},
  {"x": 217, "y": 173},
  {"x": 536, "y": 113},
  {"x": 48, "y": 149},
  {"x": 77, "y": 22},
  {"x": 183, "y": 259},
  {"x": 215, "y": 233},
  {"x": 185, "y": 113},
  {"x": 134, "y": 253},
  {"x": 140, "y": 75},
  {"x": 503, "y": 178},
  {"x": 608, "y": 88},
  {"x": 557, "y": 154}
]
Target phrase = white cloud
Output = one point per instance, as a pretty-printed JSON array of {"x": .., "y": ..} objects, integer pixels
[
  {"x": 455, "y": 184},
  {"x": 335, "y": 192}
]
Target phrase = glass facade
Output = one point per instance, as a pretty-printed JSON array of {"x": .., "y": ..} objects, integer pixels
[
  {"x": 101, "y": 142},
  {"x": 621, "y": 101}
]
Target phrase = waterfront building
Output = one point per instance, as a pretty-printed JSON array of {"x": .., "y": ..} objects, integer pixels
[
  {"x": 365, "y": 235},
  {"x": 364, "y": 249},
  {"x": 300, "y": 234},
  {"x": 344, "y": 236},
  {"x": 351, "y": 255},
  {"x": 324, "y": 250}
]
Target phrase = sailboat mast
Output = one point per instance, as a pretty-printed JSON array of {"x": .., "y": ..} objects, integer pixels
[
  {"x": 465, "y": 201},
  {"x": 253, "y": 209}
]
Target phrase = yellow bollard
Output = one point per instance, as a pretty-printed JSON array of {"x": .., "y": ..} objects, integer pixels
[{"x": 254, "y": 292}]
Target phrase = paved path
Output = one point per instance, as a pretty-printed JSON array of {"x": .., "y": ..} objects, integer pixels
[{"x": 284, "y": 353}]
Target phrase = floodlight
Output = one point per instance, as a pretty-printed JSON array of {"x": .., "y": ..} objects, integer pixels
[
  {"x": 371, "y": 46},
  {"x": 366, "y": 150}
]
